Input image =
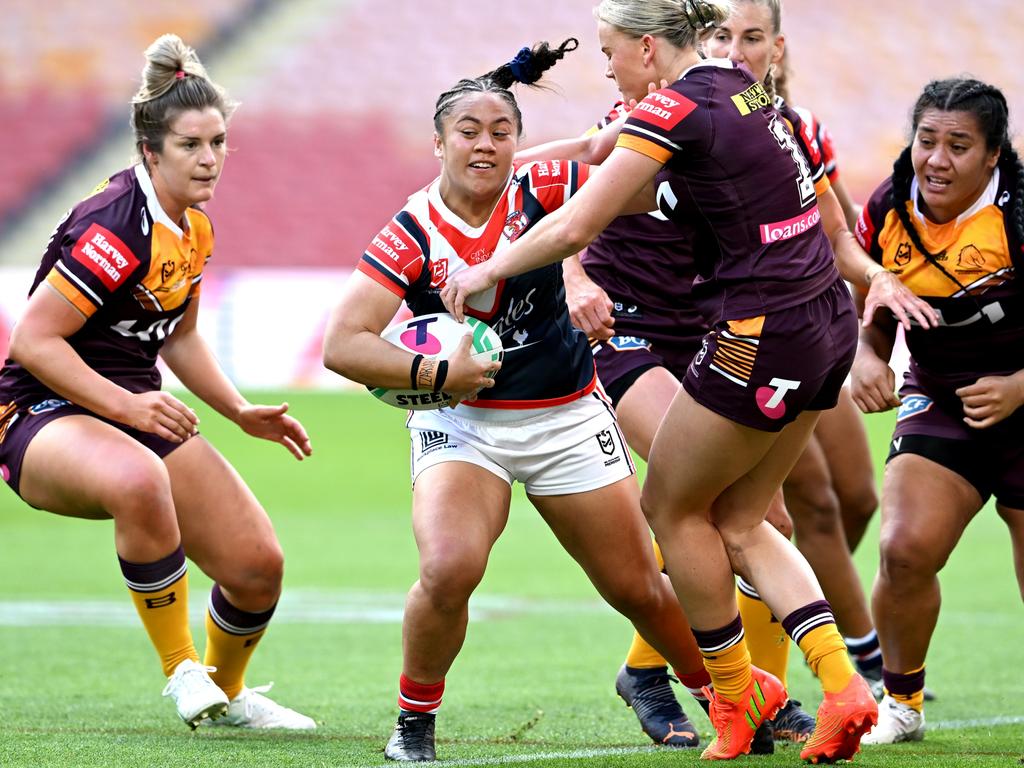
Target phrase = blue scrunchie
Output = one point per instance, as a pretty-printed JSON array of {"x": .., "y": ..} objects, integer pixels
[{"x": 520, "y": 65}]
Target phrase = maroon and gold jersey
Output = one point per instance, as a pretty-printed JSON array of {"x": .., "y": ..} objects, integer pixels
[
  {"x": 547, "y": 361},
  {"x": 119, "y": 260},
  {"x": 979, "y": 303},
  {"x": 645, "y": 265},
  {"x": 735, "y": 174}
]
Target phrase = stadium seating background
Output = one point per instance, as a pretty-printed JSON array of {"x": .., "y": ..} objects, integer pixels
[{"x": 334, "y": 129}]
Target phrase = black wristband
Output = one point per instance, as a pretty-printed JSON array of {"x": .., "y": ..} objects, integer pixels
[
  {"x": 442, "y": 374},
  {"x": 414, "y": 370}
]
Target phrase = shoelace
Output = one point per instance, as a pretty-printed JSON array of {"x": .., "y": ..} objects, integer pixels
[
  {"x": 791, "y": 716},
  {"x": 413, "y": 731},
  {"x": 656, "y": 698},
  {"x": 188, "y": 679},
  {"x": 903, "y": 715},
  {"x": 251, "y": 701}
]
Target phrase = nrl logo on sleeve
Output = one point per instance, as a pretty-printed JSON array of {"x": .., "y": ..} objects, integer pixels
[{"x": 751, "y": 100}]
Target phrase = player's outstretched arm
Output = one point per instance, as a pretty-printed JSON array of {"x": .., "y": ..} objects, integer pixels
[{"x": 190, "y": 358}]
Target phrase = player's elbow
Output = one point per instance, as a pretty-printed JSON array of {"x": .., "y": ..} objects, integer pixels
[{"x": 23, "y": 345}]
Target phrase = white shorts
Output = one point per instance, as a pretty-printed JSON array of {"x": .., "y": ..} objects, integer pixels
[{"x": 565, "y": 449}]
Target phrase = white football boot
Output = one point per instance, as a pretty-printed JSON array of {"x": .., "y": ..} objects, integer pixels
[
  {"x": 195, "y": 695},
  {"x": 251, "y": 709},
  {"x": 896, "y": 722}
]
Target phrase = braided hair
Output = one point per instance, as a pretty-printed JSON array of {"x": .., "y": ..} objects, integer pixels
[
  {"x": 988, "y": 105},
  {"x": 528, "y": 66}
]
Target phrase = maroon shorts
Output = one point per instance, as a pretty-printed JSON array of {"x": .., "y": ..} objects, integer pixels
[
  {"x": 20, "y": 426},
  {"x": 623, "y": 359},
  {"x": 992, "y": 460},
  {"x": 763, "y": 372}
]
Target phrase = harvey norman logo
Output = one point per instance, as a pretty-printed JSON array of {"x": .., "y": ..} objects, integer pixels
[
  {"x": 663, "y": 109},
  {"x": 103, "y": 254},
  {"x": 389, "y": 244},
  {"x": 784, "y": 230}
]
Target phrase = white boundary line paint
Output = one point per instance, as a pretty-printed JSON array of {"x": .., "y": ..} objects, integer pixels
[
  {"x": 297, "y": 607},
  {"x": 584, "y": 754}
]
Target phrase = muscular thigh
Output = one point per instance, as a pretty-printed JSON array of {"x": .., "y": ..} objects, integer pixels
[
  {"x": 698, "y": 453},
  {"x": 459, "y": 510},
  {"x": 643, "y": 406},
  {"x": 222, "y": 523},
  {"x": 925, "y": 508},
  {"x": 77, "y": 466},
  {"x": 602, "y": 529}
]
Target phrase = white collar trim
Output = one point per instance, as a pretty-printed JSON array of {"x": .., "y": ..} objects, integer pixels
[
  {"x": 153, "y": 203},
  {"x": 985, "y": 199}
]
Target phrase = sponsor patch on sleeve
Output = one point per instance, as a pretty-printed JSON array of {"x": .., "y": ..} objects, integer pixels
[
  {"x": 865, "y": 230},
  {"x": 664, "y": 109},
  {"x": 751, "y": 100},
  {"x": 105, "y": 255}
]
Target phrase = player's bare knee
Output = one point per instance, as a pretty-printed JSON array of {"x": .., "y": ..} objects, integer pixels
[
  {"x": 137, "y": 486},
  {"x": 449, "y": 581},
  {"x": 907, "y": 559}
]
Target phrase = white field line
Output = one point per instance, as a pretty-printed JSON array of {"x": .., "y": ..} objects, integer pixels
[
  {"x": 296, "y": 607},
  {"x": 586, "y": 754}
]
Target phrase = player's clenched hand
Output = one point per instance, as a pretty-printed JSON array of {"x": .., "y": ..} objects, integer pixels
[
  {"x": 589, "y": 307},
  {"x": 466, "y": 376},
  {"x": 464, "y": 284},
  {"x": 873, "y": 384},
  {"x": 161, "y": 414},
  {"x": 991, "y": 399},
  {"x": 272, "y": 422}
]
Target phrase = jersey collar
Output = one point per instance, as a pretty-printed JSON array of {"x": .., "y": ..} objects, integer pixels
[
  {"x": 153, "y": 203},
  {"x": 985, "y": 199}
]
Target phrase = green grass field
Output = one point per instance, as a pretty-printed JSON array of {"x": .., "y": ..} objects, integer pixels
[{"x": 80, "y": 685}]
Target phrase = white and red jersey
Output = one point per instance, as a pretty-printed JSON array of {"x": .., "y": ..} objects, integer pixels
[{"x": 547, "y": 361}]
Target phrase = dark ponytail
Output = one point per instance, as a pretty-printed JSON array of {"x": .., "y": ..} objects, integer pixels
[{"x": 527, "y": 68}]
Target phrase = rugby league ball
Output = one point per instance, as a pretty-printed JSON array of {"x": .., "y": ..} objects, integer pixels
[{"x": 436, "y": 335}]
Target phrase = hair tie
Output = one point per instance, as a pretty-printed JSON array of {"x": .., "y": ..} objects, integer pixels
[
  {"x": 180, "y": 74},
  {"x": 518, "y": 65}
]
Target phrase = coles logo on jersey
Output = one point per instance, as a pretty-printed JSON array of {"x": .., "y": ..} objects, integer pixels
[
  {"x": 663, "y": 109},
  {"x": 438, "y": 271},
  {"x": 751, "y": 100},
  {"x": 515, "y": 225},
  {"x": 103, "y": 254}
]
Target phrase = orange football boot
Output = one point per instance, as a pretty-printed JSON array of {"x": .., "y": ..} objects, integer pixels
[
  {"x": 736, "y": 721},
  {"x": 842, "y": 719}
]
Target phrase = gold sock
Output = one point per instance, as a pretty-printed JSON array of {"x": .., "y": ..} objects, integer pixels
[
  {"x": 230, "y": 654},
  {"x": 729, "y": 670},
  {"x": 231, "y": 638},
  {"x": 642, "y": 655},
  {"x": 160, "y": 593},
  {"x": 767, "y": 641},
  {"x": 827, "y": 657}
]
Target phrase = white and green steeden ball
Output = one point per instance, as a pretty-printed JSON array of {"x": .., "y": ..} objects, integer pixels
[{"x": 437, "y": 335}]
